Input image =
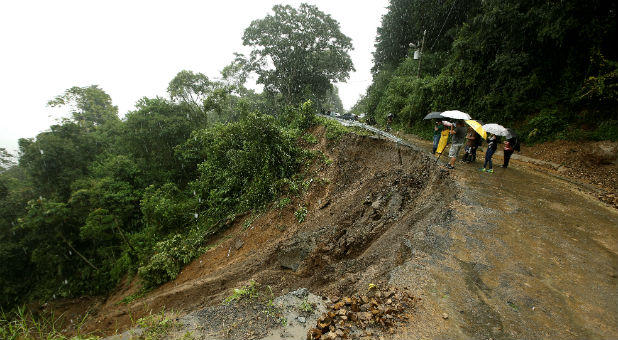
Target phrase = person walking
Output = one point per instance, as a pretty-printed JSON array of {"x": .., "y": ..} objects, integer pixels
[
  {"x": 492, "y": 145},
  {"x": 437, "y": 133},
  {"x": 459, "y": 137}
]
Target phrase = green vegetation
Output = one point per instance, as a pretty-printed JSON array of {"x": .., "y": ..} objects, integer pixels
[
  {"x": 248, "y": 292},
  {"x": 283, "y": 202},
  {"x": 96, "y": 199},
  {"x": 306, "y": 306},
  {"x": 554, "y": 77},
  {"x": 301, "y": 214},
  {"x": 157, "y": 326},
  {"x": 22, "y": 325},
  {"x": 334, "y": 129},
  {"x": 308, "y": 52}
]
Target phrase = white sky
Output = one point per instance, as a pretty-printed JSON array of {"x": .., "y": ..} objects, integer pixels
[{"x": 132, "y": 49}]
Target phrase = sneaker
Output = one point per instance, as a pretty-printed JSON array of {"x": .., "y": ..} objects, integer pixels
[
  {"x": 490, "y": 171},
  {"x": 503, "y": 166},
  {"x": 483, "y": 170},
  {"x": 448, "y": 166}
]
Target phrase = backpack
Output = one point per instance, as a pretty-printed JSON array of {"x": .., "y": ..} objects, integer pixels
[{"x": 516, "y": 146}]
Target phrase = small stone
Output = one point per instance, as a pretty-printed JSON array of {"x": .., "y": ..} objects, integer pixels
[
  {"x": 239, "y": 243},
  {"x": 444, "y": 316},
  {"x": 301, "y": 319},
  {"x": 300, "y": 293},
  {"x": 330, "y": 335}
]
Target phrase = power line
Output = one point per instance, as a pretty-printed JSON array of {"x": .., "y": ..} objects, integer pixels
[{"x": 443, "y": 24}]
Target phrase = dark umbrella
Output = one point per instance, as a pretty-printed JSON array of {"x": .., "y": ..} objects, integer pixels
[{"x": 434, "y": 115}]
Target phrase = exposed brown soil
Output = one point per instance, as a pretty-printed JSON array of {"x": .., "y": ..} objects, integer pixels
[
  {"x": 384, "y": 212},
  {"x": 573, "y": 160},
  {"x": 580, "y": 164}
]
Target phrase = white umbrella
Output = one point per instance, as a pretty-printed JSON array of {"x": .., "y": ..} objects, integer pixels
[
  {"x": 496, "y": 129},
  {"x": 455, "y": 114}
]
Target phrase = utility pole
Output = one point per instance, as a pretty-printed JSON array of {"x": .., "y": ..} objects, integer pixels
[{"x": 420, "y": 58}]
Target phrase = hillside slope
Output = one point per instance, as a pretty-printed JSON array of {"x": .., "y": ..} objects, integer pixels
[{"x": 514, "y": 254}]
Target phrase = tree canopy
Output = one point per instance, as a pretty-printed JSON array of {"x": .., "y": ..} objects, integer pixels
[
  {"x": 298, "y": 52},
  {"x": 515, "y": 62}
]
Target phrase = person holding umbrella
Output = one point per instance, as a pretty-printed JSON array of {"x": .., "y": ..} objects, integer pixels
[
  {"x": 492, "y": 145},
  {"x": 459, "y": 137},
  {"x": 471, "y": 144},
  {"x": 474, "y": 138},
  {"x": 510, "y": 145}
]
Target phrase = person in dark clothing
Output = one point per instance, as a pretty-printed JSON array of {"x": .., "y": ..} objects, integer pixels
[
  {"x": 477, "y": 143},
  {"x": 459, "y": 137},
  {"x": 492, "y": 145},
  {"x": 510, "y": 146},
  {"x": 389, "y": 121}
]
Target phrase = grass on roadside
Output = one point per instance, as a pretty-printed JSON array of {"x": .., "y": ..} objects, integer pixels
[{"x": 23, "y": 325}]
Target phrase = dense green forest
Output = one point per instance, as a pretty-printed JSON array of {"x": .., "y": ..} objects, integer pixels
[
  {"x": 547, "y": 68},
  {"x": 96, "y": 198}
]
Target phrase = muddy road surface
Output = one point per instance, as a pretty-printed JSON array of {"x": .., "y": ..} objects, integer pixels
[
  {"x": 530, "y": 256},
  {"x": 513, "y": 254}
]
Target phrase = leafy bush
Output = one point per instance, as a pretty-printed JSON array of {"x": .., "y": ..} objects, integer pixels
[
  {"x": 546, "y": 124},
  {"x": 334, "y": 129},
  {"x": 167, "y": 208},
  {"x": 169, "y": 257},
  {"x": 301, "y": 214},
  {"x": 607, "y": 130},
  {"x": 244, "y": 165}
]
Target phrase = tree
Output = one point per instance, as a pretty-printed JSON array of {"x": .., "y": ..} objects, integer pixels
[
  {"x": 298, "y": 51},
  {"x": 90, "y": 106},
  {"x": 57, "y": 157},
  {"x": 152, "y": 131},
  {"x": 405, "y": 22},
  {"x": 190, "y": 88},
  {"x": 6, "y": 160},
  {"x": 332, "y": 101}
]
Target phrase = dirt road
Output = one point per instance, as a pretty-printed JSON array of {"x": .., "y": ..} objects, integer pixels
[
  {"x": 531, "y": 257},
  {"x": 513, "y": 254}
]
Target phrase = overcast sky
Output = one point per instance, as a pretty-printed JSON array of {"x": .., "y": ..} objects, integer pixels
[{"x": 132, "y": 49}]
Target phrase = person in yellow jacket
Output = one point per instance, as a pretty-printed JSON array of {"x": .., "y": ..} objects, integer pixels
[
  {"x": 442, "y": 142},
  {"x": 437, "y": 133}
]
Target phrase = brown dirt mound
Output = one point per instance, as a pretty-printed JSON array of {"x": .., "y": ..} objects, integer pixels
[
  {"x": 581, "y": 161},
  {"x": 362, "y": 210}
]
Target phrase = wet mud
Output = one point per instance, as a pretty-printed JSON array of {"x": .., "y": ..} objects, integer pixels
[{"x": 513, "y": 254}]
